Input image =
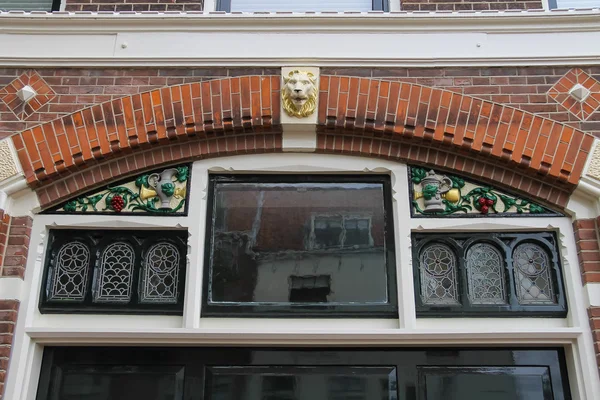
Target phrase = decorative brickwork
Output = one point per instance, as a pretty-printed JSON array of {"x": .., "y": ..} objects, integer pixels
[
  {"x": 78, "y": 88},
  {"x": 435, "y": 124},
  {"x": 458, "y": 5},
  {"x": 134, "y": 5},
  {"x": 581, "y": 108},
  {"x": 178, "y": 113},
  {"x": 525, "y": 88},
  {"x": 8, "y": 317},
  {"x": 481, "y": 138},
  {"x": 24, "y": 110}
]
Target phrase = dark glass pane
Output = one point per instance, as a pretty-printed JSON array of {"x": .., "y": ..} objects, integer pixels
[
  {"x": 302, "y": 383},
  {"x": 309, "y": 242},
  {"x": 120, "y": 383},
  {"x": 476, "y": 383}
]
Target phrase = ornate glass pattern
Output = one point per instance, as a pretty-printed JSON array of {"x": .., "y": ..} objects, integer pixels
[
  {"x": 438, "y": 275},
  {"x": 532, "y": 275},
  {"x": 116, "y": 273},
  {"x": 70, "y": 276},
  {"x": 486, "y": 275},
  {"x": 160, "y": 279}
]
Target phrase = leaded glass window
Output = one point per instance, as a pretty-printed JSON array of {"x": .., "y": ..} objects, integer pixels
[
  {"x": 69, "y": 281},
  {"x": 485, "y": 269},
  {"x": 488, "y": 274},
  {"x": 109, "y": 271},
  {"x": 438, "y": 275},
  {"x": 532, "y": 275},
  {"x": 160, "y": 283},
  {"x": 116, "y": 273}
]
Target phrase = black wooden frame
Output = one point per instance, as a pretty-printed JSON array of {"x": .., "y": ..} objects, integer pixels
[
  {"x": 200, "y": 363},
  {"x": 505, "y": 244},
  {"x": 97, "y": 244},
  {"x": 378, "y": 5},
  {"x": 215, "y": 309}
]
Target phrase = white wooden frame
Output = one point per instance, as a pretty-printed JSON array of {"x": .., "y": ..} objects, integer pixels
[{"x": 34, "y": 330}]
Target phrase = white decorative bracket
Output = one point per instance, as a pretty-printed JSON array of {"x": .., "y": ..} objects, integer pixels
[{"x": 26, "y": 93}]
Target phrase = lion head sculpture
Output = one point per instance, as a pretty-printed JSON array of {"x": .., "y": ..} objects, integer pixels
[{"x": 299, "y": 94}]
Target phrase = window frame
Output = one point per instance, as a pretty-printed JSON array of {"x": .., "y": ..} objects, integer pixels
[
  {"x": 54, "y": 6},
  {"x": 547, "y": 240},
  {"x": 378, "y": 5},
  {"x": 388, "y": 310},
  {"x": 57, "y": 237}
]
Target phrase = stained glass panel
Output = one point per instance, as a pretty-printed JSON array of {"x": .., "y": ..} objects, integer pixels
[
  {"x": 438, "y": 275},
  {"x": 70, "y": 275},
  {"x": 116, "y": 272},
  {"x": 532, "y": 275},
  {"x": 485, "y": 269},
  {"x": 159, "y": 283}
]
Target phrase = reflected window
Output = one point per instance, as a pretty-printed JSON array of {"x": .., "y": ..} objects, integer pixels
[{"x": 300, "y": 243}]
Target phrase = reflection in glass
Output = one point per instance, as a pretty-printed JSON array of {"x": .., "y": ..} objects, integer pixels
[
  {"x": 119, "y": 383},
  {"x": 302, "y": 383},
  {"x": 281, "y": 243},
  {"x": 489, "y": 383}
]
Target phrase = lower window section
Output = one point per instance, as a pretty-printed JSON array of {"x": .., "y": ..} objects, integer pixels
[{"x": 302, "y": 374}]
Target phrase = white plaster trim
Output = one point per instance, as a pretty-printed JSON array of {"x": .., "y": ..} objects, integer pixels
[
  {"x": 11, "y": 288},
  {"x": 296, "y": 137},
  {"x": 440, "y": 39},
  {"x": 307, "y": 337},
  {"x": 592, "y": 294},
  {"x": 34, "y": 330}
]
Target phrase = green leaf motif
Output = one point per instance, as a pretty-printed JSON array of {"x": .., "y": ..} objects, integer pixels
[
  {"x": 168, "y": 189},
  {"x": 418, "y": 174},
  {"x": 535, "y": 209},
  {"x": 429, "y": 192},
  {"x": 142, "y": 181},
  {"x": 182, "y": 174},
  {"x": 71, "y": 206}
]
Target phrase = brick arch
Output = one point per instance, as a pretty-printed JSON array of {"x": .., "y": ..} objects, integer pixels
[
  {"x": 436, "y": 127},
  {"x": 360, "y": 116}
]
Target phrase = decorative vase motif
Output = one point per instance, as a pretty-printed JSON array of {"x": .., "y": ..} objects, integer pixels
[
  {"x": 434, "y": 187},
  {"x": 164, "y": 186}
]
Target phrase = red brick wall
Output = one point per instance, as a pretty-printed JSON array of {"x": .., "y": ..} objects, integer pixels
[
  {"x": 523, "y": 88},
  {"x": 134, "y": 5},
  {"x": 15, "y": 251},
  {"x": 14, "y": 243},
  {"x": 459, "y": 5},
  {"x": 588, "y": 252},
  {"x": 8, "y": 318}
]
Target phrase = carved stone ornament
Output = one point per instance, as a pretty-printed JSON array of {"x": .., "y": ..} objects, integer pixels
[
  {"x": 449, "y": 195},
  {"x": 161, "y": 192},
  {"x": 299, "y": 93}
]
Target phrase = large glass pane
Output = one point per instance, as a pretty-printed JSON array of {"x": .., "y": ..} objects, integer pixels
[
  {"x": 489, "y": 383},
  {"x": 302, "y": 383},
  {"x": 302, "y": 242},
  {"x": 119, "y": 383}
]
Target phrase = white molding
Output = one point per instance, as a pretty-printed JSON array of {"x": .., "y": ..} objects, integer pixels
[
  {"x": 237, "y": 39},
  {"x": 306, "y": 337},
  {"x": 592, "y": 294},
  {"x": 11, "y": 288}
]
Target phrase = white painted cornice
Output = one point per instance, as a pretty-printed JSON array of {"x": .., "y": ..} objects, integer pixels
[{"x": 326, "y": 39}]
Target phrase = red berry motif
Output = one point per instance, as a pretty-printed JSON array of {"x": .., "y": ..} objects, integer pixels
[
  {"x": 484, "y": 209},
  {"x": 117, "y": 203},
  {"x": 481, "y": 201},
  {"x": 489, "y": 202}
]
